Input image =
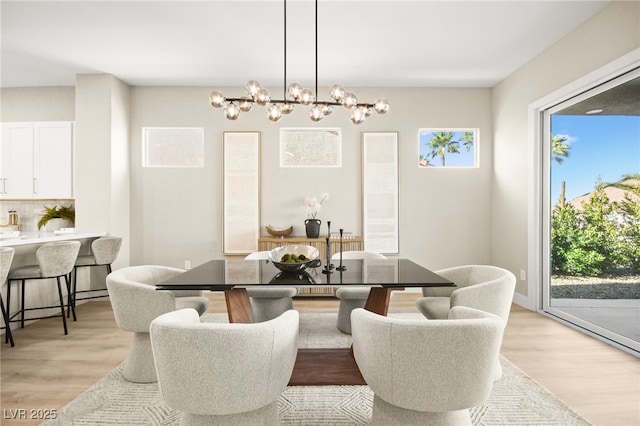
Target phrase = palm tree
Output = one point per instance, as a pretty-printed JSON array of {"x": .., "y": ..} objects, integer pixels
[
  {"x": 559, "y": 148},
  {"x": 629, "y": 182},
  {"x": 442, "y": 143},
  {"x": 467, "y": 140}
]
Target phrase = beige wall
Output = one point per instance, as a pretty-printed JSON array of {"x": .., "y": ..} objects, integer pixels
[
  {"x": 444, "y": 214},
  {"x": 447, "y": 217},
  {"x": 608, "y": 35},
  {"x": 37, "y": 104}
]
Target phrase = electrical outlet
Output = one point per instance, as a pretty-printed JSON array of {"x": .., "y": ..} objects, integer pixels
[
  {"x": 187, "y": 264},
  {"x": 523, "y": 275}
]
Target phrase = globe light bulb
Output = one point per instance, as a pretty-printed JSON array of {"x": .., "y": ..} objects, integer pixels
[
  {"x": 357, "y": 115},
  {"x": 253, "y": 88},
  {"x": 349, "y": 100},
  {"x": 274, "y": 112},
  {"x": 216, "y": 99},
  {"x": 232, "y": 111},
  {"x": 294, "y": 91},
  {"x": 315, "y": 113},
  {"x": 287, "y": 107},
  {"x": 381, "y": 106},
  {"x": 306, "y": 97},
  {"x": 337, "y": 92},
  {"x": 263, "y": 97},
  {"x": 245, "y": 104},
  {"x": 367, "y": 110}
]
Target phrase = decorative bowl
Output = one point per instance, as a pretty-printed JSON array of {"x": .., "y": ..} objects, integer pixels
[
  {"x": 295, "y": 278},
  {"x": 309, "y": 252},
  {"x": 279, "y": 232}
]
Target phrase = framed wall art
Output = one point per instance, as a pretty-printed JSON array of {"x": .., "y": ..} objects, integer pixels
[
  {"x": 241, "y": 182},
  {"x": 380, "y": 192},
  {"x": 310, "y": 147},
  {"x": 447, "y": 148}
]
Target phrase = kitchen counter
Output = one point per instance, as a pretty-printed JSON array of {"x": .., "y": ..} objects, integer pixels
[
  {"x": 41, "y": 237},
  {"x": 26, "y": 246}
]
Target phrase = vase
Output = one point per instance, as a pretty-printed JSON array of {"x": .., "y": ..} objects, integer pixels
[
  {"x": 56, "y": 224},
  {"x": 312, "y": 227}
]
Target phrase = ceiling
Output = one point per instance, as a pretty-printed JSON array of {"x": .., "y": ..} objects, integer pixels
[
  {"x": 226, "y": 43},
  {"x": 623, "y": 99}
]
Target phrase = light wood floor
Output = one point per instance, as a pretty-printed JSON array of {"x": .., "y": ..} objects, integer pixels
[{"x": 46, "y": 369}]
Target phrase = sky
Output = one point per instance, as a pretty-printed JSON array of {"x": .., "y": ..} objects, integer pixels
[
  {"x": 463, "y": 159},
  {"x": 603, "y": 149}
]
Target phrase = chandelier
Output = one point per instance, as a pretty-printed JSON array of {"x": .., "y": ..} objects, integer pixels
[{"x": 295, "y": 94}]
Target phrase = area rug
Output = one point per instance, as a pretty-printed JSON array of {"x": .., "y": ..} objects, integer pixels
[{"x": 516, "y": 399}]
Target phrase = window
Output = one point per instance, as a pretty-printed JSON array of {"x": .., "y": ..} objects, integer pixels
[
  {"x": 447, "y": 148},
  {"x": 592, "y": 209},
  {"x": 172, "y": 147}
]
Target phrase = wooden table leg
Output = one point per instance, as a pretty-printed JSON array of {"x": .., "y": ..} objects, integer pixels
[
  {"x": 238, "y": 306},
  {"x": 378, "y": 300}
]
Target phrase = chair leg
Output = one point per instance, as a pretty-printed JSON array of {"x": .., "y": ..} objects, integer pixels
[
  {"x": 6, "y": 336},
  {"x": 22, "y": 305},
  {"x": 7, "y": 324},
  {"x": 71, "y": 306},
  {"x": 75, "y": 285},
  {"x": 64, "y": 319}
]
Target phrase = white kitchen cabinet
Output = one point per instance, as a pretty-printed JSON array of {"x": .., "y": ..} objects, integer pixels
[{"x": 37, "y": 160}]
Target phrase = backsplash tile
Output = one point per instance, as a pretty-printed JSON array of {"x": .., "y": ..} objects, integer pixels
[{"x": 29, "y": 211}]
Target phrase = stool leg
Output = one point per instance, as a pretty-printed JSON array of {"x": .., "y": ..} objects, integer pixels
[
  {"x": 7, "y": 324},
  {"x": 22, "y": 304},
  {"x": 6, "y": 336},
  {"x": 75, "y": 285},
  {"x": 70, "y": 304},
  {"x": 64, "y": 319}
]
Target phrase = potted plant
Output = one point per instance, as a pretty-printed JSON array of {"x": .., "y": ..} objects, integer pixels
[{"x": 64, "y": 213}]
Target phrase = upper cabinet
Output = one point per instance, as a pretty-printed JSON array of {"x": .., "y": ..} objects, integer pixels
[{"x": 36, "y": 160}]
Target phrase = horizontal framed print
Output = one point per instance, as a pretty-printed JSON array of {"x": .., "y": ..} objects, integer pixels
[
  {"x": 310, "y": 147},
  {"x": 380, "y": 192},
  {"x": 444, "y": 148},
  {"x": 241, "y": 203}
]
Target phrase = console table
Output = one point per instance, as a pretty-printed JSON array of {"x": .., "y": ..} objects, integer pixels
[{"x": 348, "y": 244}]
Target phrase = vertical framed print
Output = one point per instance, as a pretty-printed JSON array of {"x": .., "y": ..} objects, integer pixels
[
  {"x": 241, "y": 193},
  {"x": 380, "y": 192}
]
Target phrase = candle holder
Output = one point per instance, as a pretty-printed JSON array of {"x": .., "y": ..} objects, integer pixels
[
  {"x": 341, "y": 267},
  {"x": 328, "y": 266}
]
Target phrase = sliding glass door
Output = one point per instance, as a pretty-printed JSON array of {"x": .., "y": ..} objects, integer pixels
[{"x": 592, "y": 210}]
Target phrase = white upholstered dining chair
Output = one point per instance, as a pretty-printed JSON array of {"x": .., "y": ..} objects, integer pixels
[
  {"x": 484, "y": 287},
  {"x": 221, "y": 373},
  {"x": 427, "y": 372},
  {"x": 136, "y": 303},
  {"x": 268, "y": 303},
  {"x": 352, "y": 297}
]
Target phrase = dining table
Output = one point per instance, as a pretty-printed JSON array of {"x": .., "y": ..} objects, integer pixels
[{"x": 314, "y": 366}]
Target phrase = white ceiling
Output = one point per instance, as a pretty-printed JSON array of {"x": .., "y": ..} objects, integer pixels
[{"x": 226, "y": 43}]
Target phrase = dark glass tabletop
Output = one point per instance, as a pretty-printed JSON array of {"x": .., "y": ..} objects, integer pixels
[{"x": 221, "y": 274}]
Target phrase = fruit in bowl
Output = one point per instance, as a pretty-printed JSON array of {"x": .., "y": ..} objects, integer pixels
[{"x": 293, "y": 258}]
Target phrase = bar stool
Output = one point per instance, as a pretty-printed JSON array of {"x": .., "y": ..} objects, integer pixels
[
  {"x": 104, "y": 251},
  {"x": 6, "y": 257},
  {"x": 55, "y": 260}
]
